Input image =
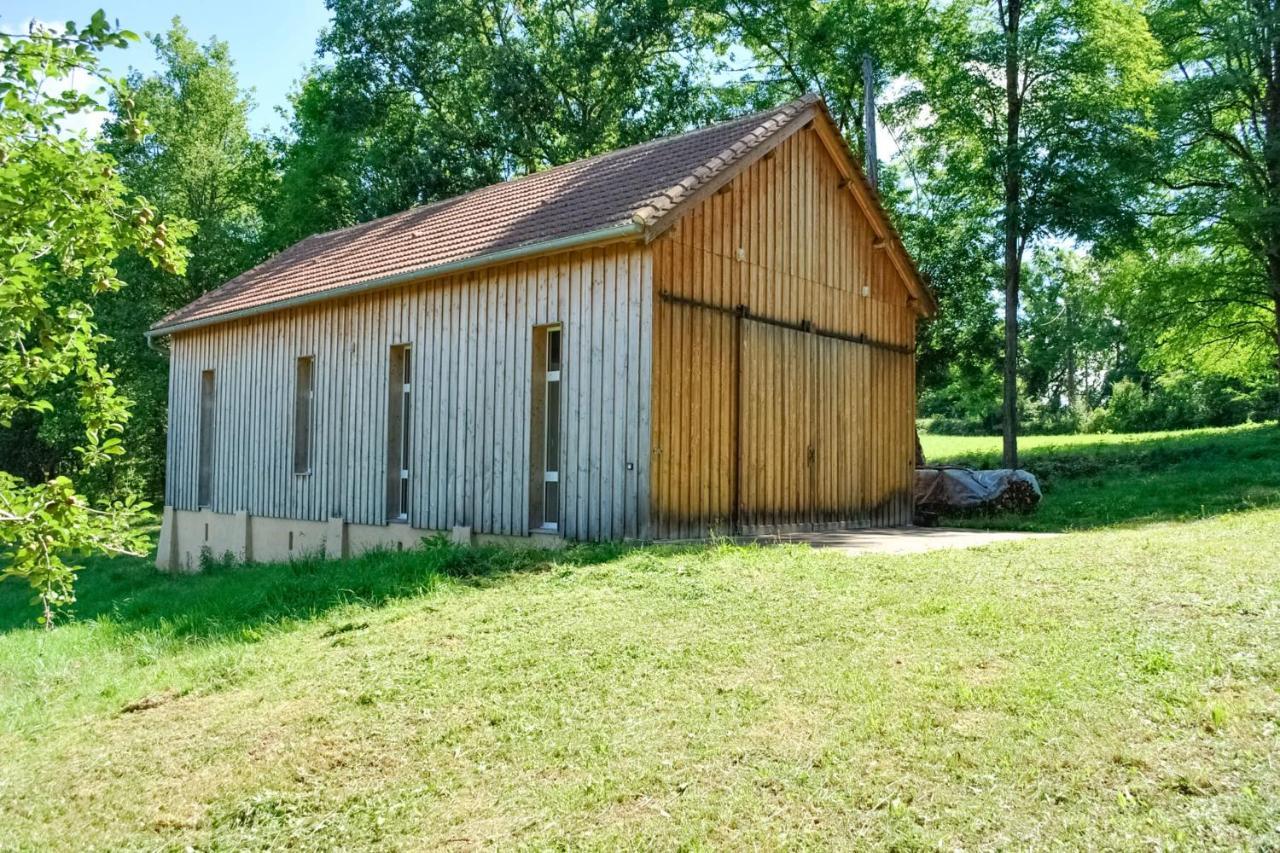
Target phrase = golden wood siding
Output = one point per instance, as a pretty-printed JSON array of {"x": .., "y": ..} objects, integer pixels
[
  {"x": 825, "y": 426},
  {"x": 471, "y": 342}
]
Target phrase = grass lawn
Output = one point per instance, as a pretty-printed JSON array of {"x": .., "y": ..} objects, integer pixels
[
  {"x": 1094, "y": 481},
  {"x": 1111, "y": 689}
]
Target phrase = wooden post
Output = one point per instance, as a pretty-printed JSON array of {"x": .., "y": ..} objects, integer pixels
[{"x": 869, "y": 120}]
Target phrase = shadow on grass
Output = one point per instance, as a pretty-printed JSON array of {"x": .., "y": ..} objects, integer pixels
[
  {"x": 1163, "y": 478},
  {"x": 228, "y": 601}
]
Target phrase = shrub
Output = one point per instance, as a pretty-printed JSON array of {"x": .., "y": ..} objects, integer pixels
[
  {"x": 1173, "y": 401},
  {"x": 1180, "y": 401},
  {"x": 1038, "y": 418}
]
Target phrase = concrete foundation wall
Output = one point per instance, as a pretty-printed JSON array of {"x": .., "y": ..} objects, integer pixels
[{"x": 187, "y": 535}]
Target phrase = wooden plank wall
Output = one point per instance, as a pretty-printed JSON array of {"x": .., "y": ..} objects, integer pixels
[
  {"x": 807, "y": 252},
  {"x": 472, "y": 340},
  {"x": 693, "y": 452},
  {"x": 777, "y": 428}
]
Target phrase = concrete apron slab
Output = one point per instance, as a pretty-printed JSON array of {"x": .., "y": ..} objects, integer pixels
[{"x": 901, "y": 540}]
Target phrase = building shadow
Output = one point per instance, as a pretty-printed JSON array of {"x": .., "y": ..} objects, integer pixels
[{"x": 227, "y": 601}]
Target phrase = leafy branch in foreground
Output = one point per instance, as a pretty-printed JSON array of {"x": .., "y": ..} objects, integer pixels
[
  {"x": 43, "y": 522},
  {"x": 65, "y": 216}
]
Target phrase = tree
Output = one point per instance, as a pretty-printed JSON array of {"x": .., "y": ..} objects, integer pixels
[
  {"x": 1039, "y": 111},
  {"x": 197, "y": 160},
  {"x": 1197, "y": 299},
  {"x": 1074, "y": 344},
  {"x": 431, "y": 98},
  {"x": 66, "y": 217},
  {"x": 1219, "y": 218},
  {"x": 798, "y": 46}
]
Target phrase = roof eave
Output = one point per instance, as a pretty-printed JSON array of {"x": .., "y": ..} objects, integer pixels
[
  {"x": 614, "y": 233},
  {"x": 922, "y": 300},
  {"x": 659, "y": 219}
]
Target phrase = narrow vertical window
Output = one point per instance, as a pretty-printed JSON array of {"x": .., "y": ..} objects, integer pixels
[
  {"x": 544, "y": 485},
  {"x": 399, "y": 409},
  {"x": 204, "y": 478},
  {"x": 303, "y": 413}
]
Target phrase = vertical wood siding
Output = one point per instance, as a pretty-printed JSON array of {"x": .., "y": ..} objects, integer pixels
[
  {"x": 472, "y": 344},
  {"x": 825, "y": 430}
]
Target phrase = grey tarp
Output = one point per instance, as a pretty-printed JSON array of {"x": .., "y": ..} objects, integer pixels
[{"x": 947, "y": 489}]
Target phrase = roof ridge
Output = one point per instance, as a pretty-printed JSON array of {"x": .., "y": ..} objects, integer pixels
[
  {"x": 629, "y": 186},
  {"x": 656, "y": 206},
  {"x": 559, "y": 167}
]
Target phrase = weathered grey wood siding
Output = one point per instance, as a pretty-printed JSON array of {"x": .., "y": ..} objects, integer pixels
[{"x": 472, "y": 339}]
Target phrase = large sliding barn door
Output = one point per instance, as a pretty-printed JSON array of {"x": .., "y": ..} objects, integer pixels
[
  {"x": 840, "y": 430},
  {"x": 694, "y": 401},
  {"x": 770, "y": 426},
  {"x": 803, "y": 452},
  {"x": 777, "y": 454}
]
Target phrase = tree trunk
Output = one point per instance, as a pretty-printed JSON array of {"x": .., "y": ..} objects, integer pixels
[
  {"x": 1012, "y": 231},
  {"x": 1275, "y": 299},
  {"x": 1072, "y": 373},
  {"x": 1271, "y": 157},
  {"x": 1273, "y": 274}
]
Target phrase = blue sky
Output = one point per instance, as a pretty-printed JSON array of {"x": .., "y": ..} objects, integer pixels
[{"x": 271, "y": 41}]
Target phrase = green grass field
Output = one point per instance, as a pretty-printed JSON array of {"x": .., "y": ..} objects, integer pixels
[
  {"x": 1116, "y": 688},
  {"x": 1094, "y": 481}
]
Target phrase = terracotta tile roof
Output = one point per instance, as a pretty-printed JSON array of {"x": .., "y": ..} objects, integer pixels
[{"x": 637, "y": 185}]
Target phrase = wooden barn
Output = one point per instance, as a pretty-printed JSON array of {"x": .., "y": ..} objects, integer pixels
[{"x": 709, "y": 333}]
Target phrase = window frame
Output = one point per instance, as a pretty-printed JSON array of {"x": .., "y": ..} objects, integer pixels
[
  {"x": 206, "y": 438},
  {"x": 399, "y": 435},
  {"x": 308, "y": 466},
  {"x": 546, "y": 438}
]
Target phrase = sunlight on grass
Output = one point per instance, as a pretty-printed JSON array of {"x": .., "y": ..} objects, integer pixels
[
  {"x": 1115, "y": 689},
  {"x": 950, "y": 447},
  {"x": 1094, "y": 481}
]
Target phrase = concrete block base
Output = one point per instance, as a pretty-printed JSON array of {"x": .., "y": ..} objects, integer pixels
[
  {"x": 189, "y": 538},
  {"x": 336, "y": 544}
]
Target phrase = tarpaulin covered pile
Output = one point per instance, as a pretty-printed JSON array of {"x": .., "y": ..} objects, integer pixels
[{"x": 946, "y": 490}]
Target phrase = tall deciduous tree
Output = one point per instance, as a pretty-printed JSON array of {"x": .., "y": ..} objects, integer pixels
[
  {"x": 429, "y": 98},
  {"x": 66, "y": 217},
  {"x": 198, "y": 160},
  {"x": 1038, "y": 110},
  {"x": 1220, "y": 229}
]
